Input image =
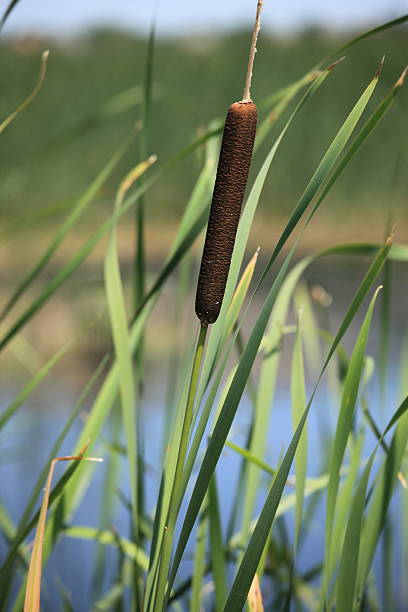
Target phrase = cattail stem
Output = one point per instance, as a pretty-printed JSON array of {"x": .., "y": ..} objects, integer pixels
[
  {"x": 175, "y": 498},
  {"x": 255, "y": 32}
]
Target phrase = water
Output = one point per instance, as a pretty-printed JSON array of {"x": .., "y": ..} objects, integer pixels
[{"x": 28, "y": 437}]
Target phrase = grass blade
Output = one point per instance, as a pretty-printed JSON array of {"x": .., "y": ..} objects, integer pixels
[
  {"x": 298, "y": 394},
  {"x": 31, "y": 385},
  {"x": 123, "y": 349},
  {"x": 282, "y": 99},
  {"x": 248, "y": 456},
  {"x": 324, "y": 168},
  {"x": 384, "y": 486},
  {"x": 43, "y": 69},
  {"x": 124, "y": 355},
  {"x": 255, "y": 602},
  {"x": 349, "y": 567},
  {"x": 346, "y": 581},
  {"x": 218, "y": 558},
  {"x": 360, "y": 139},
  {"x": 109, "y": 538},
  {"x": 377, "y": 30},
  {"x": 33, "y": 588},
  {"x": 239, "y": 297},
  {"x": 286, "y": 504},
  {"x": 344, "y": 501},
  {"x": 344, "y": 424},
  {"x": 95, "y": 118},
  {"x": 260, "y": 535},
  {"x": 199, "y": 562},
  {"x": 139, "y": 269},
  {"x": 139, "y": 263}
]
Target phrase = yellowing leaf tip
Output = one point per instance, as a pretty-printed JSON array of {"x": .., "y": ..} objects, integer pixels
[{"x": 400, "y": 81}]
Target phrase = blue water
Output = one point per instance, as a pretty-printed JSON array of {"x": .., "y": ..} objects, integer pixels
[{"x": 26, "y": 442}]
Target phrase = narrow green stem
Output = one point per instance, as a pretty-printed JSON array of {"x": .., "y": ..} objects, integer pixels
[
  {"x": 139, "y": 263},
  {"x": 178, "y": 476},
  {"x": 139, "y": 276}
]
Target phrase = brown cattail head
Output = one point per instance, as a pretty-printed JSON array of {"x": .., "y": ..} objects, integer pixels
[{"x": 232, "y": 175}]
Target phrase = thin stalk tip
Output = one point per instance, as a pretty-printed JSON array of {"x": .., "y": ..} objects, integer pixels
[
  {"x": 255, "y": 32},
  {"x": 334, "y": 64},
  {"x": 380, "y": 65}
]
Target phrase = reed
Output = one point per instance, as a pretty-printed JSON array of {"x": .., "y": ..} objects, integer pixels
[
  {"x": 232, "y": 175},
  {"x": 248, "y": 552},
  {"x": 230, "y": 184}
]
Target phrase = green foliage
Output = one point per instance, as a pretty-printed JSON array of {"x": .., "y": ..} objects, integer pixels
[{"x": 245, "y": 351}]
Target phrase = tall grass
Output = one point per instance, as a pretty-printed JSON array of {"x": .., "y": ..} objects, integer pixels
[{"x": 254, "y": 547}]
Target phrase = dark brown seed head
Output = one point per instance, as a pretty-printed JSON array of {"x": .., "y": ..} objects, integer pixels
[{"x": 232, "y": 175}]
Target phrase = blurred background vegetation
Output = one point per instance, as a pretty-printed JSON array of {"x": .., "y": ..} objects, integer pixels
[{"x": 50, "y": 155}]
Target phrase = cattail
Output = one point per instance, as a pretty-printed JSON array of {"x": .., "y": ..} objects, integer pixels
[
  {"x": 232, "y": 175},
  {"x": 229, "y": 190}
]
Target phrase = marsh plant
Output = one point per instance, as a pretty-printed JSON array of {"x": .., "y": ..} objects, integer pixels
[{"x": 245, "y": 548}]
